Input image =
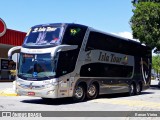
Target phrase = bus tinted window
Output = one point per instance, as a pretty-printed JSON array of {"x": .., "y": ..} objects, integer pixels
[
  {"x": 74, "y": 35},
  {"x": 102, "y": 41},
  {"x": 106, "y": 70},
  {"x": 66, "y": 62}
]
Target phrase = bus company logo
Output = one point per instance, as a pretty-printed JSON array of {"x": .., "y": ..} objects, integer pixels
[
  {"x": 31, "y": 85},
  {"x": 109, "y": 57},
  {"x": 145, "y": 69},
  {"x": 3, "y": 27}
]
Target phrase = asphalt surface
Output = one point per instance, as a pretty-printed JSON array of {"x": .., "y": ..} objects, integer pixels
[
  {"x": 147, "y": 101},
  {"x": 7, "y": 89}
]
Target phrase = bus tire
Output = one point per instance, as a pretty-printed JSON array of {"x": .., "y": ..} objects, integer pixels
[
  {"x": 79, "y": 93},
  {"x": 131, "y": 89},
  {"x": 138, "y": 89},
  {"x": 92, "y": 91}
]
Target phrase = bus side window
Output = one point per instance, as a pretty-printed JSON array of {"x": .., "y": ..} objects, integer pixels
[
  {"x": 98, "y": 41},
  {"x": 106, "y": 70},
  {"x": 66, "y": 62}
]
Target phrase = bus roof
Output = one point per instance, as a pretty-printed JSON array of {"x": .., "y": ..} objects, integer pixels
[
  {"x": 59, "y": 24},
  {"x": 91, "y": 29}
]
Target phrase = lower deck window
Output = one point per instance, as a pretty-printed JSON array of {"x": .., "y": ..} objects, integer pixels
[{"x": 106, "y": 70}]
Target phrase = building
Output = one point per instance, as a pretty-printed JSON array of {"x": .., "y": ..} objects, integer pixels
[{"x": 8, "y": 39}]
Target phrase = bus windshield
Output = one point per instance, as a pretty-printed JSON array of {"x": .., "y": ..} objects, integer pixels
[
  {"x": 36, "y": 66},
  {"x": 44, "y": 36}
]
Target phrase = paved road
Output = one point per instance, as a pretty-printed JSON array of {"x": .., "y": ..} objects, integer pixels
[
  {"x": 4, "y": 85},
  {"x": 147, "y": 101}
]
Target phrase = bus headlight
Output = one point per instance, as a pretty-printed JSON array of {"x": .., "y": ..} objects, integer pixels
[
  {"x": 51, "y": 85},
  {"x": 48, "y": 85},
  {"x": 54, "y": 83}
]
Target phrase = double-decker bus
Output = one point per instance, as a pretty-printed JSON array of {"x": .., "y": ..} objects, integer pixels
[{"x": 72, "y": 60}]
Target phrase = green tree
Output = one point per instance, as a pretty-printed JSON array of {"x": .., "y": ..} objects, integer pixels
[
  {"x": 137, "y": 1},
  {"x": 156, "y": 63},
  {"x": 145, "y": 22}
]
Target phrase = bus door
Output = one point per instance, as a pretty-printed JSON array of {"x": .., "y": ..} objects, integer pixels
[{"x": 65, "y": 66}]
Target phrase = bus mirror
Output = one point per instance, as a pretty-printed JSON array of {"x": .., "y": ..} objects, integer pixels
[
  {"x": 62, "y": 48},
  {"x": 12, "y": 51},
  {"x": 15, "y": 57},
  {"x": 54, "y": 60}
]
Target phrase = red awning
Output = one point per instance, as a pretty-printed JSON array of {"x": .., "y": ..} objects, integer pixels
[{"x": 13, "y": 37}]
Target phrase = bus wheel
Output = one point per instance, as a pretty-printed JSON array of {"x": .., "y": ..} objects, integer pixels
[
  {"x": 92, "y": 91},
  {"x": 138, "y": 89},
  {"x": 131, "y": 89},
  {"x": 79, "y": 93}
]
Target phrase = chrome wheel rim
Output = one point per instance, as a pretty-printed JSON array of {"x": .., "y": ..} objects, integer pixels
[
  {"x": 138, "y": 88},
  {"x": 79, "y": 92},
  {"x": 92, "y": 90},
  {"x": 132, "y": 89}
]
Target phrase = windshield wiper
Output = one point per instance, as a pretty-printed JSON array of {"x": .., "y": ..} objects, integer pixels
[
  {"x": 45, "y": 75},
  {"x": 24, "y": 74},
  {"x": 21, "y": 74},
  {"x": 39, "y": 60}
]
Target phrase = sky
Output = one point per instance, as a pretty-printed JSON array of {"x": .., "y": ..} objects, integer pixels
[{"x": 111, "y": 16}]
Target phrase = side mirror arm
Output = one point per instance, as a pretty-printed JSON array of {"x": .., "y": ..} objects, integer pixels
[
  {"x": 62, "y": 48},
  {"x": 12, "y": 51}
]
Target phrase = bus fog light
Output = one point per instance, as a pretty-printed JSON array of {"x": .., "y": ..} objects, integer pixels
[{"x": 50, "y": 92}]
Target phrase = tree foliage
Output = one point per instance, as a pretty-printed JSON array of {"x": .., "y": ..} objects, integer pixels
[
  {"x": 145, "y": 22},
  {"x": 137, "y": 1},
  {"x": 156, "y": 63}
]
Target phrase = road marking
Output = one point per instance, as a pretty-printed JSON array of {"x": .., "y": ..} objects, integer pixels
[{"x": 132, "y": 103}]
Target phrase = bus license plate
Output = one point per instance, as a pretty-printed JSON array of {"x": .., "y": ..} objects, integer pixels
[{"x": 31, "y": 93}]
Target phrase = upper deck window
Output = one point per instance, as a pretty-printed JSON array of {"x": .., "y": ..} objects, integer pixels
[
  {"x": 74, "y": 35},
  {"x": 44, "y": 36}
]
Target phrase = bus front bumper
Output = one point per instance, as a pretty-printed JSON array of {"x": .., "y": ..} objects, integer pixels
[{"x": 46, "y": 92}]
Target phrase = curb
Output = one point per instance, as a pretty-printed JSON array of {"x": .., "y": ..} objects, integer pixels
[{"x": 8, "y": 92}]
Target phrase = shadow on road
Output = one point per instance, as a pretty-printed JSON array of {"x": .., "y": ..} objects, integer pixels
[{"x": 59, "y": 101}]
